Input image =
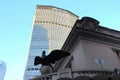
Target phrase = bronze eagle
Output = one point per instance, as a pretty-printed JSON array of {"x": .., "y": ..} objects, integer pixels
[{"x": 54, "y": 56}]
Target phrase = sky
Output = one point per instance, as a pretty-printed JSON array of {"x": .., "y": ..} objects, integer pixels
[{"x": 16, "y": 18}]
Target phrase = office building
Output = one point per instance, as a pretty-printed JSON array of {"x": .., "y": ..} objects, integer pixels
[
  {"x": 95, "y": 54},
  {"x": 51, "y": 26},
  {"x": 2, "y": 70}
]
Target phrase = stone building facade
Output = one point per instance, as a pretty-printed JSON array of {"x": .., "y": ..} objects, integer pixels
[{"x": 95, "y": 54}]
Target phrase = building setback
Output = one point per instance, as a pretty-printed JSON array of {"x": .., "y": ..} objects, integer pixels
[
  {"x": 95, "y": 54},
  {"x": 51, "y": 26}
]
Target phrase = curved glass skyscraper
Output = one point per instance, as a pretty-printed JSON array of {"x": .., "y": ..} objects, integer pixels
[
  {"x": 51, "y": 26},
  {"x": 2, "y": 70}
]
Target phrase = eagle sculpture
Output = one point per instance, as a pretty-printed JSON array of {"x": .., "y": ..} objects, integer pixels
[{"x": 51, "y": 58}]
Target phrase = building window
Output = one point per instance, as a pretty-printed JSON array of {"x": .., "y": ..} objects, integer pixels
[
  {"x": 32, "y": 68},
  {"x": 36, "y": 68},
  {"x": 28, "y": 69},
  {"x": 117, "y": 52}
]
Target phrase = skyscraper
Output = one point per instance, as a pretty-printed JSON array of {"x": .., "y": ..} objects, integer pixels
[
  {"x": 51, "y": 26},
  {"x": 2, "y": 70}
]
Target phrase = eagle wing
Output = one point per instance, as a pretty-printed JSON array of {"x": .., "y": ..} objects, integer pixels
[
  {"x": 51, "y": 58},
  {"x": 56, "y": 55}
]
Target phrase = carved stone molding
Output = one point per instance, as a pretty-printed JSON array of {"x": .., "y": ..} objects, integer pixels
[{"x": 89, "y": 24}]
